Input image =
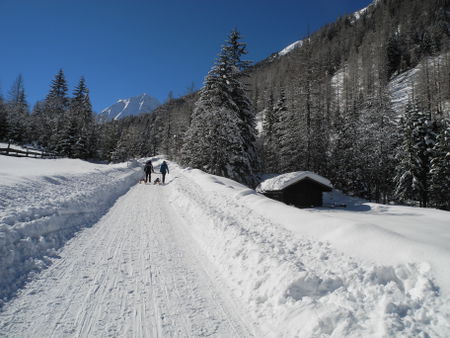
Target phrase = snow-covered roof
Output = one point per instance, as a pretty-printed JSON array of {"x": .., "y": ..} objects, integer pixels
[{"x": 281, "y": 182}]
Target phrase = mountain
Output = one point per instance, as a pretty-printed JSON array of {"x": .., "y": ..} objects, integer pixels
[{"x": 129, "y": 107}]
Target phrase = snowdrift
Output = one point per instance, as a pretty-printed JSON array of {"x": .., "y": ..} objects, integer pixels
[
  {"x": 44, "y": 202},
  {"x": 321, "y": 272}
]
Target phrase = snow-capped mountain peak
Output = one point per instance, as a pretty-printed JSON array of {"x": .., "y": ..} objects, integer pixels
[{"x": 129, "y": 107}]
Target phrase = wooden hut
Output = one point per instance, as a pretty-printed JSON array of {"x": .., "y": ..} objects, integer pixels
[{"x": 302, "y": 189}]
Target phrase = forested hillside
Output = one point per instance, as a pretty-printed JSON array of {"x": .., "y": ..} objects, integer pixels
[{"x": 364, "y": 101}]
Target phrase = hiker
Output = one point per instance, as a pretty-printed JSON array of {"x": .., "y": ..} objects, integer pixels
[
  {"x": 163, "y": 170},
  {"x": 148, "y": 169}
]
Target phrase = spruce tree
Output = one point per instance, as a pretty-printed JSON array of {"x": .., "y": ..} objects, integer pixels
[
  {"x": 56, "y": 104},
  {"x": 214, "y": 141},
  {"x": 235, "y": 49},
  {"x": 406, "y": 179},
  {"x": 413, "y": 171},
  {"x": 17, "y": 109},
  {"x": 440, "y": 169},
  {"x": 3, "y": 121},
  {"x": 378, "y": 139},
  {"x": 80, "y": 114},
  {"x": 285, "y": 135},
  {"x": 269, "y": 136}
]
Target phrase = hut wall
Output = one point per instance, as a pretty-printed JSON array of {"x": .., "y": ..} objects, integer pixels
[{"x": 303, "y": 194}]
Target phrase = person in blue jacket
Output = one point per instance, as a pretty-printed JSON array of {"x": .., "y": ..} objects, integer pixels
[{"x": 164, "y": 169}]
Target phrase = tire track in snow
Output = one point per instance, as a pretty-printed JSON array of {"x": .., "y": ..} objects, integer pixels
[{"x": 132, "y": 274}]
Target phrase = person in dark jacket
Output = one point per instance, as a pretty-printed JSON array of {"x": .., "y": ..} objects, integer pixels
[
  {"x": 148, "y": 169},
  {"x": 164, "y": 169}
]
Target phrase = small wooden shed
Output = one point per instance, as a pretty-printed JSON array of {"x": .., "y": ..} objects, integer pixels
[{"x": 302, "y": 189}]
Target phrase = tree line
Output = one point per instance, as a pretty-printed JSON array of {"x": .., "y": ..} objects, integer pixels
[{"x": 59, "y": 124}]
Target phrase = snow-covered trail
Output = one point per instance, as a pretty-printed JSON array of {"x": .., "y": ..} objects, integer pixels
[{"x": 135, "y": 273}]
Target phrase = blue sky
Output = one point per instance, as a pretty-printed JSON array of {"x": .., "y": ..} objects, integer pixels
[{"x": 127, "y": 47}]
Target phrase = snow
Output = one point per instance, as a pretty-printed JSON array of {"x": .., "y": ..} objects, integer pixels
[
  {"x": 317, "y": 272},
  {"x": 44, "y": 202},
  {"x": 357, "y": 15},
  {"x": 281, "y": 182},
  {"x": 259, "y": 119},
  {"x": 204, "y": 255},
  {"x": 400, "y": 87},
  {"x": 291, "y": 47}
]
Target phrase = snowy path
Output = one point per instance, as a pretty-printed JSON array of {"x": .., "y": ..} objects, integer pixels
[{"x": 135, "y": 273}]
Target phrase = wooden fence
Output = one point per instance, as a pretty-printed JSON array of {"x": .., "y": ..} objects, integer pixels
[{"x": 26, "y": 153}]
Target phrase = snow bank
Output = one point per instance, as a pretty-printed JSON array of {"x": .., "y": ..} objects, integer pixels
[
  {"x": 43, "y": 202},
  {"x": 317, "y": 272},
  {"x": 281, "y": 182}
]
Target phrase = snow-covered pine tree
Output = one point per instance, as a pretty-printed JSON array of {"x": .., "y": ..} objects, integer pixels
[
  {"x": 426, "y": 138},
  {"x": 108, "y": 135},
  {"x": 269, "y": 137},
  {"x": 214, "y": 141},
  {"x": 17, "y": 109},
  {"x": 406, "y": 179},
  {"x": 378, "y": 139},
  {"x": 56, "y": 104},
  {"x": 440, "y": 169},
  {"x": 80, "y": 112},
  {"x": 413, "y": 172},
  {"x": 289, "y": 135},
  {"x": 282, "y": 135},
  {"x": 235, "y": 49},
  {"x": 3, "y": 121},
  {"x": 129, "y": 145},
  {"x": 347, "y": 154},
  {"x": 39, "y": 123}
]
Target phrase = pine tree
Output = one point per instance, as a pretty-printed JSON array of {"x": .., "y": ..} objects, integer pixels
[
  {"x": 347, "y": 156},
  {"x": 40, "y": 124},
  {"x": 378, "y": 139},
  {"x": 4, "y": 129},
  {"x": 406, "y": 179},
  {"x": 440, "y": 169},
  {"x": 221, "y": 138},
  {"x": 17, "y": 109},
  {"x": 214, "y": 140},
  {"x": 129, "y": 145},
  {"x": 80, "y": 114},
  {"x": 235, "y": 49},
  {"x": 108, "y": 135},
  {"x": 285, "y": 135},
  {"x": 413, "y": 171},
  {"x": 270, "y": 141},
  {"x": 56, "y": 104}
]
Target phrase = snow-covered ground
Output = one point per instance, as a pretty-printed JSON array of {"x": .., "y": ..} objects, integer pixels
[
  {"x": 206, "y": 256},
  {"x": 363, "y": 271},
  {"x": 43, "y": 202}
]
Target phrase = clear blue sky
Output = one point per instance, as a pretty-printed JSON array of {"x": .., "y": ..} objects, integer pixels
[{"x": 127, "y": 47}]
